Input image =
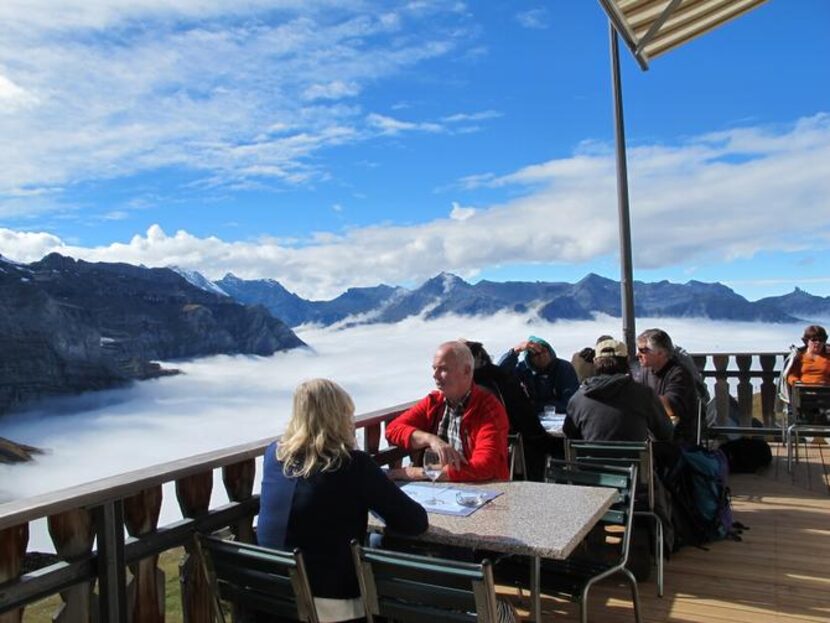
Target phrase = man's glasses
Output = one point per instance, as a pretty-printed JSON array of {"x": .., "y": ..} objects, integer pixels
[
  {"x": 817, "y": 340},
  {"x": 644, "y": 350}
]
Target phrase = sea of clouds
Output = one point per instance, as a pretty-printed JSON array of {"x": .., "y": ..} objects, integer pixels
[{"x": 226, "y": 400}]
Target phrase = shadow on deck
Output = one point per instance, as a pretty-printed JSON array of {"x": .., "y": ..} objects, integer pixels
[{"x": 779, "y": 572}]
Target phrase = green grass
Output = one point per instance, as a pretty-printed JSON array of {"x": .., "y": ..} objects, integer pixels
[{"x": 43, "y": 611}]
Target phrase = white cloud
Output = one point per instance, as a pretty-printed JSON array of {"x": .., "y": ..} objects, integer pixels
[
  {"x": 459, "y": 213},
  {"x": 13, "y": 97},
  {"x": 332, "y": 91},
  {"x": 703, "y": 200},
  {"x": 536, "y": 19},
  {"x": 390, "y": 125},
  {"x": 100, "y": 89}
]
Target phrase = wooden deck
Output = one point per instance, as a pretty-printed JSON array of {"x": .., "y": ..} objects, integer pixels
[{"x": 780, "y": 571}]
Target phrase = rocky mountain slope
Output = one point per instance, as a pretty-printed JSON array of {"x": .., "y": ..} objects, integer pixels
[{"x": 68, "y": 326}]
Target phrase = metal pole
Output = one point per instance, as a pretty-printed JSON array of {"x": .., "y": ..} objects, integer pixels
[{"x": 626, "y": 270}]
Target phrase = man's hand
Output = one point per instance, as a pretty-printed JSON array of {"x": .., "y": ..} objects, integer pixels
[{"x": 448, "y": 455}]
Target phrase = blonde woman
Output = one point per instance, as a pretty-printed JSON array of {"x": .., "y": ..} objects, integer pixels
[{"x": 317, "y": 490}]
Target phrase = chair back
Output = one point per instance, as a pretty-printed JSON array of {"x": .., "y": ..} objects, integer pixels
[
  {"x": 516, "y": 456},
  {"x": 621, "y": 478},
  {"x": 407, "y": 587},
  {"x": 811, "y": 404},
  {"x": 257, "y": 578},
  {"x": 620, "y": 453}
]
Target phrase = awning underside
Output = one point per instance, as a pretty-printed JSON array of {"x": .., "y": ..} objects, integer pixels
[{"x": 652, "y": 27}]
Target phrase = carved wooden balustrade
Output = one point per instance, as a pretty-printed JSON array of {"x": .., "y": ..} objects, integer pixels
[
  {"x": 131, "y": 502},
  {"x": 744, "y": 368}
]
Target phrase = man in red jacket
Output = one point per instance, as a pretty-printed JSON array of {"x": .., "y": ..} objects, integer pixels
[{"x": 464, "y": 423}]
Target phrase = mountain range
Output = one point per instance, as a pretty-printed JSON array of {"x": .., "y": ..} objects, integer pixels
[
  {"x": 68, "y": 325},
  {"x": 449, "y": 294}
]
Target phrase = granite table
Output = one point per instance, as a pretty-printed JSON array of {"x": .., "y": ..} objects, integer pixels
[{"x": 539, "y": 520}]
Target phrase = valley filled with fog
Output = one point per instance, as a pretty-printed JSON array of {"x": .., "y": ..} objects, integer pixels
[{"x": 227, "y": 400}]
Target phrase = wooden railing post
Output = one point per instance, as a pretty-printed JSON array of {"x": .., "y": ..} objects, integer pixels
[
  {"x": 13, "y": 542},
  {"x": 768, "y": 389},
  {"x": 238, "y": 479},
  {"x": 73, "y": 533},
  {"x": 112, "y": 573},
  {"x": 193, "y": 493},
  {"x": 721, "y": 387},
  {"x": 744, "y": 389},
  {"x": 145, "y": 591}
]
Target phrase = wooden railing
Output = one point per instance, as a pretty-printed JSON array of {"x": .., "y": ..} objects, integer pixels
[
  {"x": 104, "y": 509},
  {"x": 743, "y": 368}
]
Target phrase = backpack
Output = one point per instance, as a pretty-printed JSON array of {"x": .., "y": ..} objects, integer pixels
[
  {"x": 747, "y": 455},
  {"x": 701, "y": 500}
]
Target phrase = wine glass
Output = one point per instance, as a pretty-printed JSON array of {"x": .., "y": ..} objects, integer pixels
[{"x": 432, "y": 470}]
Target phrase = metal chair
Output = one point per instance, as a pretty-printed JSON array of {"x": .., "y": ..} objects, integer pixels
[
  {"x": 626, "y": 453},
  {"x": 573, "y": 577},
  {"x": 256, "y": 578},
  {"x": 516, "y": 456},
  {"x": 408, "y": 587},
  {"x": 810, "y": 414}
]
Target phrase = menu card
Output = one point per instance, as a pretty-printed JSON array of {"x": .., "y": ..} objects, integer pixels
[{"x": 446, "y": 499}]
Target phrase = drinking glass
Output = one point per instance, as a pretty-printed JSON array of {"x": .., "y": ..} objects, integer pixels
[{"x": 432, "y": 470}]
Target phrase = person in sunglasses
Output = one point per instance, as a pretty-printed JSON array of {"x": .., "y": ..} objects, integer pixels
[{"x": 661, "y": 371}]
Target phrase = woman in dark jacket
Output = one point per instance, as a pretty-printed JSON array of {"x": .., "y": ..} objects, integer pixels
[{"x": 317, "y": 491}]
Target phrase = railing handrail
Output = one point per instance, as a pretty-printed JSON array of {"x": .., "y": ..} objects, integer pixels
[{"x": 123, "y": 485}]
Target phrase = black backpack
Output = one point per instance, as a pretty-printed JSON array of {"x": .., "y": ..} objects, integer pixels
[{"x": 747, "y": 455}]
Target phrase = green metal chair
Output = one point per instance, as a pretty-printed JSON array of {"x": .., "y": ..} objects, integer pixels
[
  {"x": 408, "y": 587},
  {"x": 516, "y": 457},
  {"x": 810, "y": 414},
  {"x": 573, "y": 578},
  {"x": 626, "y": 453},
  {"x": 257, "y": 579}
]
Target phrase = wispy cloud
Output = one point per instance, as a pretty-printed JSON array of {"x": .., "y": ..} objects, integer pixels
[
  {"x": 711, "y": 198},
  {"x": 98, "y": 89},
  {"x": 536, "y": 19}
]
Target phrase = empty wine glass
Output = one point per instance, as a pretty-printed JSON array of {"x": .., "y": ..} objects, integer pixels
[{"x": 432, "y": 470}]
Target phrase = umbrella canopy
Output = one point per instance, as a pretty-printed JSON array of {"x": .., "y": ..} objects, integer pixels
[{"x": 653, "y": 27}]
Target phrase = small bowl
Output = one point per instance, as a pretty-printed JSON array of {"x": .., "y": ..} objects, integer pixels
[{"x": 469, "y": 498}]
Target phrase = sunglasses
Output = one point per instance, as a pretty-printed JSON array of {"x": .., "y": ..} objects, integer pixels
[
  {"x": 644, "y": 350},
  {"x": 817, "y": 340}
]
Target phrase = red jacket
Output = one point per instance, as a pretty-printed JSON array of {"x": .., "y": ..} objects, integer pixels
[{"x": 484, "y": 429}]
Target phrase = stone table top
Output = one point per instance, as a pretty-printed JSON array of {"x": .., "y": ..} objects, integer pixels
[{"x": 529, "y": 518}]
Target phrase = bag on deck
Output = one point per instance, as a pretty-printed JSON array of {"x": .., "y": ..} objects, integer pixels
[
  {"x": 701, "y": 502},
  {"x": 747, "y": 455}
]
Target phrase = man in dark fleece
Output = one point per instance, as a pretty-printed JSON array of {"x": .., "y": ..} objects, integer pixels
[
  {"x": 611, "y": 406},
  {"x": 537, "y": 443}
]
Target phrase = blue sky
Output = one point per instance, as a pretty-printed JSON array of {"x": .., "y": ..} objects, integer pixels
[{"x": 344, "y": 143}]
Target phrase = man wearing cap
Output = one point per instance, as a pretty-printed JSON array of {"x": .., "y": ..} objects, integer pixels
[
  {"x": 548, "y": 380},
  {"x": 611, "y": 406}
]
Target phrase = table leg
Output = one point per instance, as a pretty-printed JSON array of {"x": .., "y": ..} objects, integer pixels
[{"x": 535, "y": 589}]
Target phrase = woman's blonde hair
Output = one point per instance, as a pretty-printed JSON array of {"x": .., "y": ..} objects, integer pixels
[{"x": 320, "y": 433}]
